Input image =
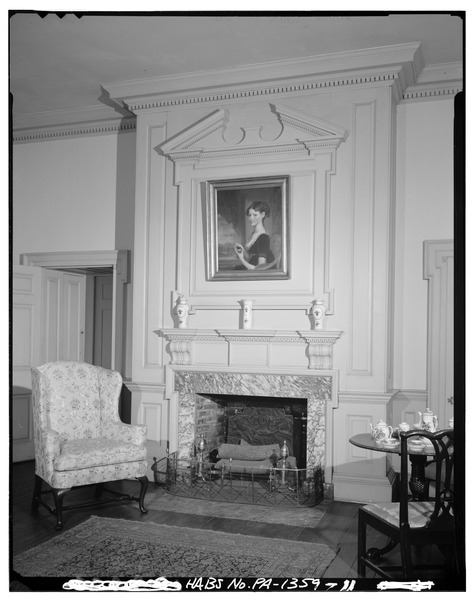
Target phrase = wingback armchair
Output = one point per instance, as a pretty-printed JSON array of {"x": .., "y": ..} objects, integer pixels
[{"x": 79, "y": 437}]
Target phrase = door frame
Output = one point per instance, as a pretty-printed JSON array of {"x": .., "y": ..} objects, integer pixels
[
  {"x": 119, "y": 261},
  {"x": 439, "y": 271}
]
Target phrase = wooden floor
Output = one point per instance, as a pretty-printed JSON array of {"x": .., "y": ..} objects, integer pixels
[{"x": 337, "y": 528}]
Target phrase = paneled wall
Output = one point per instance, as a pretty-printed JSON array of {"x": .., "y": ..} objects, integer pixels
[
  {"x": 370, "y": 169},
  {"x": 335, "y": 137}
]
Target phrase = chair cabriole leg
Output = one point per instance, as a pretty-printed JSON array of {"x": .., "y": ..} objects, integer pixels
[
  {"x": 143, "y": 489},
  {"x": 361, "y": 545},
  {"x": 37, "y": 492},
  {"x": 58, "y": 496},
  {"x": 406, "y": 557}
]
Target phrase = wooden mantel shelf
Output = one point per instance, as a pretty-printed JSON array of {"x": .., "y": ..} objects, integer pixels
[{"x": 319, "y": 342}]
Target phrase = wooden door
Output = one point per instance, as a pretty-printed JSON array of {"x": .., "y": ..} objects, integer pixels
[
  {"x": 74, "y": 317},
  {"x": 439, "y": 271},
  {"x": 103, "y": 302},
  {"x": 25, "y": 346},
  {"x": 48, "y": 314}
]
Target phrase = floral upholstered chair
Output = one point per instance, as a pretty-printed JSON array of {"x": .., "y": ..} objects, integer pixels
[{"x": 79, "y": 437}]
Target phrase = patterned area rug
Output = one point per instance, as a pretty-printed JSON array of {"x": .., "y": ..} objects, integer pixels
[{"x": 114, "y": 548}]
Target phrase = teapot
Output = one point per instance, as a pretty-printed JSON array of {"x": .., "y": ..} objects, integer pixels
[
  {"x": 428, "y": 421},
  {"x": 381, "y": 432}
]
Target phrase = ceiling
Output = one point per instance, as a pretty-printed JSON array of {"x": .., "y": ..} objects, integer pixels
[{"x": 59, "y": 62}]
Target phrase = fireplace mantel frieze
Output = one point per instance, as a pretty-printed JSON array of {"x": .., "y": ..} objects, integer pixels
[{"x": 318, "y": 343}]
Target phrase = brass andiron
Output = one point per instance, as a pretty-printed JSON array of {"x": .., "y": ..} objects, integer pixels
[
  {"x": 284, "y": 452},
  {"x": 201, "y": 450}
]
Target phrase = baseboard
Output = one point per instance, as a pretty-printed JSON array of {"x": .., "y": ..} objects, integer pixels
[{"x": 362, "y": 489}]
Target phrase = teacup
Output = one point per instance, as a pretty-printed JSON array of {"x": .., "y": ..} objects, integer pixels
[
  {"x": 416, "y": 445},
  {"x": 391, "y": 442}
]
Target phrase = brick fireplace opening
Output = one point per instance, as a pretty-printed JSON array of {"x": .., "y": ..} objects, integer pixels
[{"x": 252, "y": 420}]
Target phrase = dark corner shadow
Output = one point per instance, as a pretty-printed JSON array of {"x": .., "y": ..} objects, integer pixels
[{"x": 105, "y": 99}]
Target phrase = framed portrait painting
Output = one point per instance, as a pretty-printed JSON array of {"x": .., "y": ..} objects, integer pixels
[{"x": 248, "y": 229}]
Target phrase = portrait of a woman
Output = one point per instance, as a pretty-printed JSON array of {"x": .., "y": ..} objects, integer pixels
[
  {"x": 256, "y": 254},
  {"x": 247, "y": 229}
]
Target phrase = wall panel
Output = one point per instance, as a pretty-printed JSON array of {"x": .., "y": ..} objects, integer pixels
[{"x": 362, "y": 247}]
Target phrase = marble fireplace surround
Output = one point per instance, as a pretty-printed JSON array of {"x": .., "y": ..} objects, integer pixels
[{"x": 319, "y": 388}]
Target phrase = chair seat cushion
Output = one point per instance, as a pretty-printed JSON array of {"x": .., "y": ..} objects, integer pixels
[
  {"x": 418, "y": 512},
  {"x": 91, "y": 453}
]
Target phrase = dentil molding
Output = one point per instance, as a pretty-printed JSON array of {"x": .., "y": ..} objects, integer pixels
[
  {"x": 399, "y": 66},
  {"x": 60, "y": 124}
]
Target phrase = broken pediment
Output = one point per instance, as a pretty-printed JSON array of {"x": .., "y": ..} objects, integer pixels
[{"x": 245, "y": 130}]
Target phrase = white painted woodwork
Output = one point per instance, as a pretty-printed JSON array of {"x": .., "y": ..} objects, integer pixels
[
  {"x": 360, "y": 360},
  {"x": 150, "y": 406},
  {"x": 48, "y": 324},
  {"x": 52, "y": 314},
  {"x": 334, "y": 136},
  {"x": 63, "y": 309},
  {"x": 248, "y": 347},
  {"x": 439, "y": 271},
  {"x": 360, "y": 474},
  {"x": 25, "y": 342},
  {"x": 74, "y": 317},
  {"x": 118, "y": 260},
  {"x": 152, "y": 235},
  {"x": 329, "y": 123},
  {"x": 302, "y": 76}
]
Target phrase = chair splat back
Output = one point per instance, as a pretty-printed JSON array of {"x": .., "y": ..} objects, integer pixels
[
  {"x": 423, "y": 516},
  {"x": 441, "y": 494}
]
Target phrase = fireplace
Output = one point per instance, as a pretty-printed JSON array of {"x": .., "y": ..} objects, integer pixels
[{"x": 317, "y": 389}]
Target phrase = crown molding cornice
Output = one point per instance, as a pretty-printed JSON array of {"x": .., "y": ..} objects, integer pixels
[
  {"x": 436, "y": 81},
  {"x": 213, "y": 96},
  {"x": 430, "y": 91},
  {"x": 93, "y": 120},
  {"x": 440, "y": 73},
  {"x": 400, "y": 66},
  {"x": 315, "y": 72}
]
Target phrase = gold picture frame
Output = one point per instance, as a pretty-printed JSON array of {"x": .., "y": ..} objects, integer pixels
[{"x": 248, "y": 229}]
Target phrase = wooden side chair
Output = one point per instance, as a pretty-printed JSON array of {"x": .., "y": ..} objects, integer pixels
[
  {"x": 79, "y": 437},
  {"x": 410, "y": 523}
]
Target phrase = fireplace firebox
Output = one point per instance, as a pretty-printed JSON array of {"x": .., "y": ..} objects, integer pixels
[{"x": 238, "y": 419}]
